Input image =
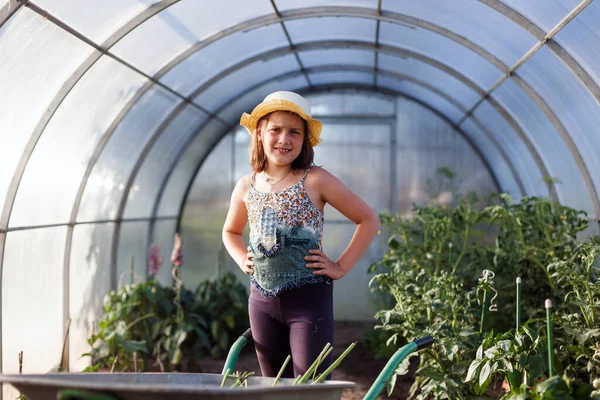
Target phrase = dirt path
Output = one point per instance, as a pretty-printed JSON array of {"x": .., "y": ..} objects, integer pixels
[{"x": 359, "y": 366}]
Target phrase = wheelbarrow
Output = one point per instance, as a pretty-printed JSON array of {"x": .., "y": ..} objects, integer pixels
[{"x": 193, "y": 386}]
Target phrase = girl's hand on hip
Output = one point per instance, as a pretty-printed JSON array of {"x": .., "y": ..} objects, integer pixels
[
  {"x": 248, "y": 262},
  {"x": 322, "y": 265}
]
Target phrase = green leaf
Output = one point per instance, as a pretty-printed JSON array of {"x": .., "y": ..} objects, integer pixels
[
  {"x": 403, "y": 368},
  {"x": 224, "y": 340},
  {"x": 131, "y": 346},
  {"x": 230, "y": 321},
  {"x": 215, "y": 329},
  {"x": 391, "y": 385},
  {"x": 514, "y": 379},
  {"x": 479, "y": 354},
  {"x": 176, "y": 357},
  {"x": 485, "y": 375},
  {"x": 393, "y": 243},
  {"x": 555, "y": 385},
  {"x": 473, "y": 368},
  {"x": 506, "y": 197},
  {"x": 180, "y": 337}
]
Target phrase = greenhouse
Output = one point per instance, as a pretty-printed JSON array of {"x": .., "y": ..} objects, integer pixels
[{"x": 120, "y": 128}]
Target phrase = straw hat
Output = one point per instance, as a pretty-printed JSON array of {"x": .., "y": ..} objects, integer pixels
[{"x": 284, "y": 101}]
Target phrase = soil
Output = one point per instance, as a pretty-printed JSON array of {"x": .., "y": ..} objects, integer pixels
[{"x": 359, "y": 366}]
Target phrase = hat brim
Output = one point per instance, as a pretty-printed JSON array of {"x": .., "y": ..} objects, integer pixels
[{"x": 250, "y": 121}]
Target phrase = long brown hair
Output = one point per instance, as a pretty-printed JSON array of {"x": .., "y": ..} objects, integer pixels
[{"x": 258, "y": 159}]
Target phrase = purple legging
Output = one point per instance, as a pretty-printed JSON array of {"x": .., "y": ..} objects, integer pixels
[{"x": 298, "y": 322}]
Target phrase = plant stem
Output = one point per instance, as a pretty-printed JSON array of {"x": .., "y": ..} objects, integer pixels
[
  {"x": 135, "y": 321},
  {"x": 548, "y": 276},
  {"x": 225, "y": 375},
  {"x": 334, "y": 365},
  {"x": 483, "y": 301},
  {"x": 463, "y": 250},
  {"x": 408, "y": 246},
  {"x": 112, "y": 368},
  {"x": 324, "y": 353},
  {"x": 285, "y": 363}
]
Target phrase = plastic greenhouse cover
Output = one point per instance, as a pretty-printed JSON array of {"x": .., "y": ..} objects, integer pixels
[
  {"x": 515, "y": 148},
  {"x": 498, "y": 164},
  {"x": 552, "y": 148},
  {"x": 443, "y": 49},
  {"x": 432, "y": 99},
  {"x": 182, "y": 174},
  {"x": 160, "y": 160},
  {"x": 331, "y": 28},
  {"x": 545, "y": 13},
  {"x": 480, "y": 25},
  {"x": 576, "y": 108},
  {"x": 212, "y": 60},
  {"x": 54, "y": 60},
  {"x": 181, "y": 26},
  {"x": 579, "y": 35},
  {"x": 284, "y": 5},
  {"x": 104, "y": 188},
  {"x": 437, "y": 78},
  {"x": 96, "y": 20},
  {"x": 59, "y": 160},
  {"x": 220, "y": 93}
]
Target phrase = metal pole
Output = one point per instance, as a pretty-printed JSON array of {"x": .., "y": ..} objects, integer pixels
[
  {"x": 518, "y": 303},
  {"x": 548, "y": 305}
]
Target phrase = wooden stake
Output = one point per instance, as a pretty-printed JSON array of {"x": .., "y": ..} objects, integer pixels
[{"x": 112, "y": 368}]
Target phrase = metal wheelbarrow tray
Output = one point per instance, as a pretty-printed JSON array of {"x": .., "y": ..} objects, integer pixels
[
  {"x": 193, "y": 386},
  {"x": 153, "y": 386}
]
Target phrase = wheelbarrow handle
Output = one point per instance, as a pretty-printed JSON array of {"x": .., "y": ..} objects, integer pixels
[
  {"x": 392, "y": 364},
  {"x": 235, "y": 350}
]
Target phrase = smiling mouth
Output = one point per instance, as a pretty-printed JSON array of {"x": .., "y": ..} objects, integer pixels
[{"x": 283, "y": 151}]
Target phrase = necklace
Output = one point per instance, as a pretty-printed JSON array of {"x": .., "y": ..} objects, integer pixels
[{"x": 268, "y": 179}]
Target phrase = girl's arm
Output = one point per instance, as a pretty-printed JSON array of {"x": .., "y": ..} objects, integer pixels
[
  {"x": 236, "y": 220},
  {"x": 331, "y": 190}
]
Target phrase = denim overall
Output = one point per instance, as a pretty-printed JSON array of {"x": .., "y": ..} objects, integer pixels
[{"x": 284, "y": 225}]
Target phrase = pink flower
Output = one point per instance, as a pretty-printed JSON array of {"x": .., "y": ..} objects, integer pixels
[{"x": 154, "y": 259}]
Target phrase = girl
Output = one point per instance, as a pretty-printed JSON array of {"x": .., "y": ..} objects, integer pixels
[{"x": 291, "y": 298}]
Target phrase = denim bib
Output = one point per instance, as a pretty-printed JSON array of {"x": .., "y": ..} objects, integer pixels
[{"x": 284, "y": 225}]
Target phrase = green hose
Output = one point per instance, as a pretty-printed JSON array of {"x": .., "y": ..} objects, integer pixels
[
  {"x": 392, "y": 364},
  {"x": 235, "y": 350},
  {"x": 77, "y": 394}
]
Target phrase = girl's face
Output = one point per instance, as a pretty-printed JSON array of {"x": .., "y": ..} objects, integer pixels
[{"x": 282, "y": 137}]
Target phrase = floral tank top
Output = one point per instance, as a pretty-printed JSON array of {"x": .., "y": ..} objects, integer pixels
[{"x": 284, "y": 225}]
